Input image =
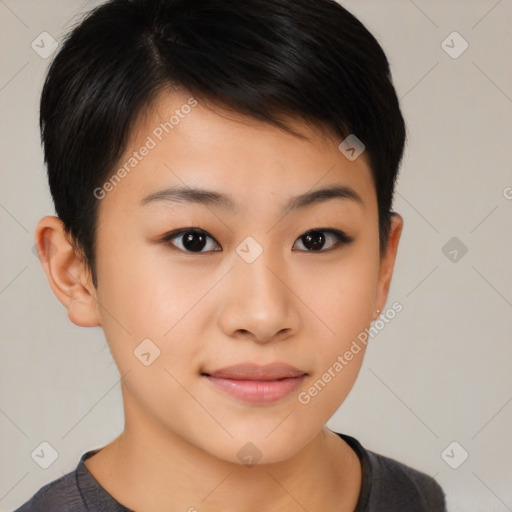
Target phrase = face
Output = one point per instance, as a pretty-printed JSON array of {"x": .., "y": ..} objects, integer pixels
[{"x": 225, "y": 315}]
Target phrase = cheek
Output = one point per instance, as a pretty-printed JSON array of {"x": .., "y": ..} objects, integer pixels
[
  {"x": 322, "y": 395},
  {"x": 348, "y": 305},
  {"x": 142, "y": 290},
  {"x": 145, "y": 296},
  {"x": 342, "y": 292},
  {"x": 343, "y": 299}
]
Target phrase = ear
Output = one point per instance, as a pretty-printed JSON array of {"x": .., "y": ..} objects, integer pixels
[
  {"x": 67, "y": 274},
  {"x": 387, "y": 264}
]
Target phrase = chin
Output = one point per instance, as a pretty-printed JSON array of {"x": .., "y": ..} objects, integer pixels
[{"x": 252, "y": 450}]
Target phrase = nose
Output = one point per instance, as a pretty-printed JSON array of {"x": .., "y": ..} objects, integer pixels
[{"x": 258, "y": 301}]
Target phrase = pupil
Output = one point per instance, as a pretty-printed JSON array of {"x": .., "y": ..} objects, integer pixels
[
  {"x": 314, "y": 240},
  {"x": 193, "y": 241}
]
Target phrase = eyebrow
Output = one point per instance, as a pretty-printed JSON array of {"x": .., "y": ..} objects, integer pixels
[{"x": 217, "y": 199}]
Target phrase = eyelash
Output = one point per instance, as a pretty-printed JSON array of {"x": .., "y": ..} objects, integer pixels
[{"x": 341, "y": 239}]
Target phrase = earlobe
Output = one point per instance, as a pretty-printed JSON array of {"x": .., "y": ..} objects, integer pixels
[
  {"x": 387, "y": 264},
  {"x": 66, "y": 272}
]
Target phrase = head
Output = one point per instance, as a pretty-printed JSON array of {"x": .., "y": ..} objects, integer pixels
[{"x": 251, "y": 101}]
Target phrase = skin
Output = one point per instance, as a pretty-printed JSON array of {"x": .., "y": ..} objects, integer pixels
[{"x": 212, "y": 309}]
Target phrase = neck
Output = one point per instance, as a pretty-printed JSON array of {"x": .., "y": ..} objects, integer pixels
[{"x": 156, "y": 470}]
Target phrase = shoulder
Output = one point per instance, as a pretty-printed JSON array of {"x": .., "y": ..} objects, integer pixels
[
  {"x": 60, "y": 495},
  {"x": 399, "y": 485},
  {"x": 391, "y": 486}
]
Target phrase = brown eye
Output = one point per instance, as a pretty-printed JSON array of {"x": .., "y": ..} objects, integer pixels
[
  {"x": 194, "y": 240},
  {"x": 315, "y": 239},
  {"x": 190, "y": 240}
]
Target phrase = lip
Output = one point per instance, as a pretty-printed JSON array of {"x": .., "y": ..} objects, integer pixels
[{"x": 254, "y": 383}]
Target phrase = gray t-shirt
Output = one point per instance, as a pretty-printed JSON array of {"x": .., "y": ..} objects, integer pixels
[{"x": 387, "y": 486}]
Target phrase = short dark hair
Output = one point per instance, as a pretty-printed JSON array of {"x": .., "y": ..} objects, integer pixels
[{"x": 309, "y": 59}]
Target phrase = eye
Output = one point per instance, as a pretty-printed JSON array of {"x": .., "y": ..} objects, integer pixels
[
  {"x": 190, "y": 240},
  {"x": 314, "y": 240},
  {"x": 196, "y": 240}
]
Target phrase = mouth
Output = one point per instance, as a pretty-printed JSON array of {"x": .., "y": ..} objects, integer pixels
[{"x": 256, "y": 384}]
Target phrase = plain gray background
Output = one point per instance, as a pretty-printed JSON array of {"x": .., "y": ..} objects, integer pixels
[{"x": 440, "y": 372}]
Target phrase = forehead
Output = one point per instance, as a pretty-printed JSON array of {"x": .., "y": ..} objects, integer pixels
[
  {"x": 187, "y": 141},
  {"x": 178, "y": 116}
]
